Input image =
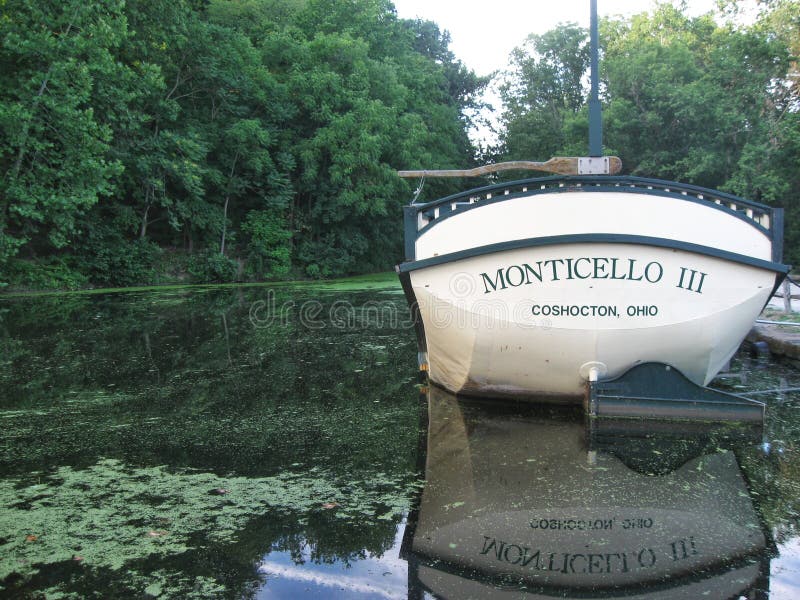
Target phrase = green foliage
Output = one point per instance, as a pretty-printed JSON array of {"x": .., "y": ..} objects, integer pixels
[
  {"x": 686, "y": 95},
  {"x": 269, "y": 244},
  {"x": 183, "y": 124},
  {"x": 54, "y": 148},
  {"x": 172, "y": 122},
  {"x": 211, "y": 266},
  {"x": 114, "y": 261},
  {"x": 544, "y": 92},
  {"x": 53, "y": 273},
  {"x": 688, "y": 99}
]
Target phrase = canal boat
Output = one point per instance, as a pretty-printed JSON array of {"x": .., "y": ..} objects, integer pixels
[
  {"x": 541, "y": 287},
  {"x": 533, "y": 287},
  {"x": 529, "y": 501}
]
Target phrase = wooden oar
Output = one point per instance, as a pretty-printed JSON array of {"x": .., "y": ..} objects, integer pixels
[{"x": 562, "y": 165}]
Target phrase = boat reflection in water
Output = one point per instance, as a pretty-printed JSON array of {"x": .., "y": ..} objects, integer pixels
[{"x": 520, "y": 503}]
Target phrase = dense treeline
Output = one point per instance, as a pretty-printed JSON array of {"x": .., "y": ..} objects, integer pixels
[
  {"x": 697, "y": 100},
  {"x": 258, "y": 139},
  {"x": 251, "y": 139}
]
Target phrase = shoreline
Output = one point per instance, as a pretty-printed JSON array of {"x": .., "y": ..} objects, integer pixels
[{"x": 367, "y": 281}]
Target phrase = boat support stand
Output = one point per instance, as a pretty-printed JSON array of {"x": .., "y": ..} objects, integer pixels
[{"x": 658, "y": 391}]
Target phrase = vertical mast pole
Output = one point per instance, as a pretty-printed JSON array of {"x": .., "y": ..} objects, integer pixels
[{"x": 595, "y": 110}]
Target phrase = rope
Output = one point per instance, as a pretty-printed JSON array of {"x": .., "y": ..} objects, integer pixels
[
  {"x": 418, "y": 191},
  {"x": 786, "y": 390}
]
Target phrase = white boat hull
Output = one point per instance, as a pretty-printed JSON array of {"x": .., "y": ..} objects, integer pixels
[
  {"x": 534, "y": 339},
  {"x": 531, "y": 313}
]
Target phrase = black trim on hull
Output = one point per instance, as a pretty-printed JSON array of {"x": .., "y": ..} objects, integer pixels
[
  {"x": 593, "y": 238},
  {"x": 413, "y": 306}
]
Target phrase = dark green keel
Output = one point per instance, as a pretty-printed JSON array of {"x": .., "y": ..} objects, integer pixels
[{"x": 658, "y": 391}]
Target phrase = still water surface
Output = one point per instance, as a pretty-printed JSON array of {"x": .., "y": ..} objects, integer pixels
[{"x": 272, "y": 442}]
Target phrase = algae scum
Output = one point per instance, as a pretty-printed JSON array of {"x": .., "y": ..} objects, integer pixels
[
  {"x": 246, "y": 442},
  {"x": 162, "y": 444}
]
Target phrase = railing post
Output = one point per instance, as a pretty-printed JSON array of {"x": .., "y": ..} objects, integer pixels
[
  {"x": 787, "y": 296},
  {"x": 410, "y": 232}
]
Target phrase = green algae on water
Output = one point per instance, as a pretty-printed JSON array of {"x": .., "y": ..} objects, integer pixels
[
  {"x": 161, "y": 444},
  {"x": 110, "y": 515}
]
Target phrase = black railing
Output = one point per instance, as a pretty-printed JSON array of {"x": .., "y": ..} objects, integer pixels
[{"x": 419, "y": 217}]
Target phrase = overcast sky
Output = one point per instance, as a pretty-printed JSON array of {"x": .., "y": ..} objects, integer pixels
[{"x": 484, "y": 33}]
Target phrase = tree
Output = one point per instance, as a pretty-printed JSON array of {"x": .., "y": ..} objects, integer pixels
[
  {"x": 683, "y": 96},
  {"x": 130, "y": 127},
  {"x": 769, "y": 167},
  {"x": 368, "y": 102},
  {"x": 54, "y": 147},
  {"x": 686, "y": 94},
  {"x": 543, "y": 92}
]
